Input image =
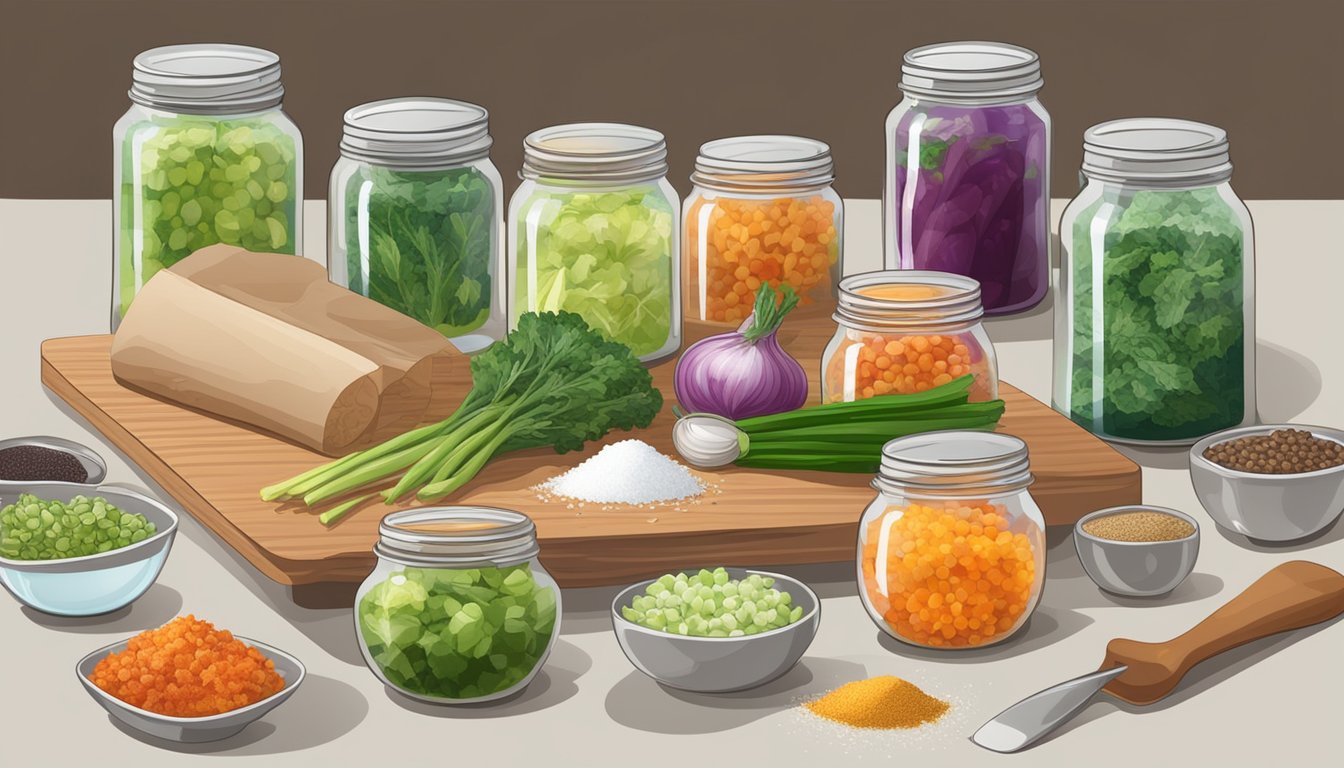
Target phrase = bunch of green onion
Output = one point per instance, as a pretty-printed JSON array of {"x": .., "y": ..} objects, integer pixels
[{"x": 835, "y": 437}]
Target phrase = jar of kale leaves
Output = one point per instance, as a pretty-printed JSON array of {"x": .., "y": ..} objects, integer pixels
[
  {"x": 204, "y": 155},
  {"x": 458, "y": 609},
  {"x": 415, "y": 216},
  {"x": 1155, "y": 317},
  {"x": 968, "y": 167}
]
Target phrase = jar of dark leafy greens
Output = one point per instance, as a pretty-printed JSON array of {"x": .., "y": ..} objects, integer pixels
[
  {"x": 968, "y": 166},
  {"x": 414, "y": 215},
  {"x": 458, "y": 609},
  {"x": 1155, "y": 318},
  {"x": 593, "y": 230},
  {"x": 204, "y": 155}
]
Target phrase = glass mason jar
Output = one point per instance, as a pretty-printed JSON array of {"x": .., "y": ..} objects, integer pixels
[
  {"x": 762, "y": 211},
  {"x": 458, "y": 608},
  {"x": 904, "y": 331},
  {"x": 952, "y": 551},
  {"x": 1155, "y": 317},
  {"x": 968, "y": 171},
  {"x": 415, "y": 216},
  {"x": 204, "y": 155},
  {"x": 593, "y": 230}
]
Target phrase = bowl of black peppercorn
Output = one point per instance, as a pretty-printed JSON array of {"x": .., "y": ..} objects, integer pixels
[{"x": 49, "y": 459}]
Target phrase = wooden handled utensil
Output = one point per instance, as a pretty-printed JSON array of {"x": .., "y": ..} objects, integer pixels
[{"x": 1293, "y": 595}]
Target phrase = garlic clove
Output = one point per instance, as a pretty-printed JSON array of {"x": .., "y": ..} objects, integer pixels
[{"x": 707, "y": 441}]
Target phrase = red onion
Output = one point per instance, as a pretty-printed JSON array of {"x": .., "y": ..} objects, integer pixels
[{"x": 745, "y": 372}]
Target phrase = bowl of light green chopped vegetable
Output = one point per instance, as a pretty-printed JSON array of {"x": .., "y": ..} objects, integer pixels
[
  {"x": 717, "y": 631},
  {"x": 72, "y": 549}
]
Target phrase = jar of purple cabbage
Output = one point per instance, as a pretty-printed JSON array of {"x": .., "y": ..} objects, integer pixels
[{"x": 967, "y": 175}]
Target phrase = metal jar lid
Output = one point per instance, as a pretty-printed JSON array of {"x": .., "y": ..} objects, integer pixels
[
  {"x": 764, "y": 163},
  {"x": 595, "y": 152},
  {"x": 457, "y": 536},
  {"x": 207, "y": 78},
  {"x": 951, "y": 300},
  {"x": 1156, "y": 150},
  {"x": 973, "y": 70},
  {"x": 416, "y": 131},
  {"x": 954, "y": 461}
]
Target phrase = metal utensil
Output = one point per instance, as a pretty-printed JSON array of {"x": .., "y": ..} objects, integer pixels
[{"x": 1293, "y": 595}]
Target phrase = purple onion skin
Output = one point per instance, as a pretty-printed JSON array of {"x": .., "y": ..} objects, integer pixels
[
  {"x": 735, "y": 378},
  {"x": 983, "y": 211}
]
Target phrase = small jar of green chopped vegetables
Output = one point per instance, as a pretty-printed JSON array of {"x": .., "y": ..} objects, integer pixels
[
  {"x": 458, "y": 609},
  {"x": 204, "y": 155},
  {"x": 594, "y": 230},
  {"x": 415, "y": 216},
  {"x": 1155, "y": 317}
]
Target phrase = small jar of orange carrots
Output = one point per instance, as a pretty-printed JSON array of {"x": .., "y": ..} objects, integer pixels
[
  {"x": 762, "y": 212},
  {"x": 951, "y": 553},
  {"x": 904, "y": 331}
]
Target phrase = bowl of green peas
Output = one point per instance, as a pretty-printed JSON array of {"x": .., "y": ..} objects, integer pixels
[
  {"x": 729, "y": 629},
  {"x": 72, "y": 549}
]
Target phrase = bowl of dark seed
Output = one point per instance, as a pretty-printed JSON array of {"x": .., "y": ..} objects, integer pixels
[
  {"x": 1137, "y": 551},
  {"x": 49, "y": 459},
  {"x": 1275, "y": 482}
]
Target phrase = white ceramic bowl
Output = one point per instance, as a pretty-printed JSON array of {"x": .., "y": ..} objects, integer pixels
[
  {"x": 718, "y": 664},
  {"x": 1275, "y": 508},
  {"x": 192, "y": 730},
  {"x": 1136, "y": 568},
  {"x": 93, "y": 584}
]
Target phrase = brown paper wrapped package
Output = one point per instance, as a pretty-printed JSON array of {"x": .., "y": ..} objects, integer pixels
[{"x": 265, "y": 339}]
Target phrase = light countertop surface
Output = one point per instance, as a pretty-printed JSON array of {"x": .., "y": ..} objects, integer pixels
[{"x": 1257, "y": 705}]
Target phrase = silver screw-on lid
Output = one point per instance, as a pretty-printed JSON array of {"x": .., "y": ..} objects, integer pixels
[
  {"x": 922, "y": 299},
  {"x": 416, "y": 131},
  {"x": 953, "y": 461},
  {"x": 971, "y": 70},
  {"x": 457, "y": 536},
  {"x": 207, "y": 78},
  {"x": 613, "y": 152},
  {"x": 1156, "y": 150},
  {"x": 764, "y": 162}
]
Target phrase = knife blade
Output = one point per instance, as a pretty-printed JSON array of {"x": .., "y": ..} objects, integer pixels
[{"x": 1027, "y": 721}]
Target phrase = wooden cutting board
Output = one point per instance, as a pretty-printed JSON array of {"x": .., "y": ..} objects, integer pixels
[{"x": 215, "y": 468}]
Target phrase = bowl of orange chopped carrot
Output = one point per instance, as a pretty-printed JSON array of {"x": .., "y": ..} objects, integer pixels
[{"x": 188, "y": 681}]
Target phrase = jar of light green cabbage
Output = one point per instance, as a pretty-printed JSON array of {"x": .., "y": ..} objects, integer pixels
[
  {"x": 204, "y": 156},
  {"x": 593, "y": 229}
]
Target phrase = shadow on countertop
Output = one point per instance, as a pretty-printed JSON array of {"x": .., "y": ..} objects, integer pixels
[
  {"x": 1328, "y": 535},
  {"x": 159, "y": 605},
  {"x": 322, "y": 710},
  {"x": 555, "y": 683},
  {"x": 637, "y": 702}
]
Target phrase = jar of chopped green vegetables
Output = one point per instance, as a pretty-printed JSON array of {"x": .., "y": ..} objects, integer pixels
[
  {"x": 204, "y": 155},
  {"x": 458, "y": 609},
  {"x": 1155, "y": 317},
  {"x": 594, "y": 230},
  {"x": 414, "y": 215}
]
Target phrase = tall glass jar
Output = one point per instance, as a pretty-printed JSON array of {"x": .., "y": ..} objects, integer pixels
[
  {"x": 762, "y": 211},
  {"x": 952, "y": 551},
  {"x": 905, "y": 331},
  {"x": 203, "y": 156},
  {"x": 968, "y": 171},
  {"x": 458, "y": 609},
  {"x": 1155, "y": 318},
  {"x": 593, "y": 230},
  {"x": 415, "y": 216}
]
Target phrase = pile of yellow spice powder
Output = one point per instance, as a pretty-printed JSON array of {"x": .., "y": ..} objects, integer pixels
[{"x": 883, "y": 702}]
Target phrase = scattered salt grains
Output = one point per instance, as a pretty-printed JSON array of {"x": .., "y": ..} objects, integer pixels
[{"x": 628, "y": 472}]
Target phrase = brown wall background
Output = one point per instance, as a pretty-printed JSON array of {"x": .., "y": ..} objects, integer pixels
[{"x": 1269, "y": 71}]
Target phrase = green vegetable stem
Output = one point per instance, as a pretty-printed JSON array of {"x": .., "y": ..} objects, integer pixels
[
  {"x": 551, "y": 382},
  {"x": 422, "y": 243}
]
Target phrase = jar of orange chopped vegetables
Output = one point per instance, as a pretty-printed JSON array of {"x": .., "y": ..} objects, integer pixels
[
  {"x": 904, "y": 331},
  {"x": 762, "y": 212},
  {"x": 952, "y": 551}
]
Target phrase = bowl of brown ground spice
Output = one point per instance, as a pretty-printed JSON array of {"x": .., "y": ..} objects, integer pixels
[
  {"x": 1137, "y": 551},
  {"x": 1273, "y": 482}
]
